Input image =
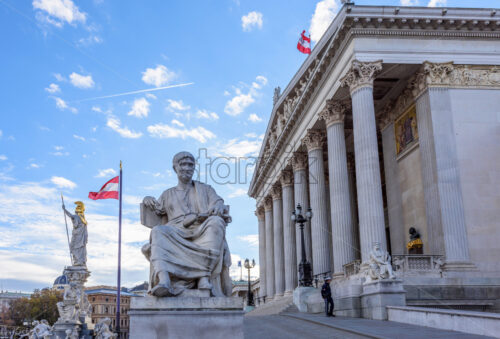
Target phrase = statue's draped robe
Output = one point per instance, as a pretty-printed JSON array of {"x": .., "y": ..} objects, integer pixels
[
  {"x": 78, "y": 244},
  {"x": 191, "y": 253}
]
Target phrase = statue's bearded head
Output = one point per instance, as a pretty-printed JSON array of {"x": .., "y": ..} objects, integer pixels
[{"x": 183, "y": 164}]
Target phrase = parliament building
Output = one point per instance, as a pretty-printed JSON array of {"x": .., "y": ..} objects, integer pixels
[{"x": 390, "y": 133}]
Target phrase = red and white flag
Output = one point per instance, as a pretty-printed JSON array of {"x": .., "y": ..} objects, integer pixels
[
  {"x": 304, "y": 44},
  {"x": 108, "y": 191}
]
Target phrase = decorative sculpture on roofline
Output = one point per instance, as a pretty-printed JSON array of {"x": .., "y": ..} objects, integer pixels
[{"x": 187, "y": 248}]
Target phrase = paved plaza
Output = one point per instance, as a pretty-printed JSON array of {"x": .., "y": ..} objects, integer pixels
[{"x": 300, "y": 325}]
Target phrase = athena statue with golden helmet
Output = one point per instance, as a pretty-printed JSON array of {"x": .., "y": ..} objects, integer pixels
[{"x": 79, "y": 236}]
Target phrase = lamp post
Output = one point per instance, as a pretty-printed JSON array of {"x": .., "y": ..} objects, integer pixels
[
  {"x": 305, "y": 271},
  {"x": 249, "y": 265}
]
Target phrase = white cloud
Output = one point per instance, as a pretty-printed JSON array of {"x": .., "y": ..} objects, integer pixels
[
  {"x": 78, "y": 137},
  {"x": 59, "y": 77},
  {"x": 97, "y": 109},
  {"x": 177, "y": 123},
  {"x": 409, "y": 2},
  {"x": 33, "y": 165},
  {"x": 63, "y": 182},
  {"x": 104, "y": 173},
  {"x": 204, "y": 114},
  {"x": 226, "y": 93},
  {"x": 81, "y": 81},
  {"x": 436, "y": 3},
  {"x": 254, "y": 118},
  {"x": 90, "y": 40},
  {"x": 158, "y": 76},
  {"x": 238, "y": 193},
  {"x": 1, "y": 133},
  {"x": 53, "y": 88},
  {"x": 59, "y": 151},
  {"x": 235, "y": 272},
  {"x": 115, "y": 124},
  {"x": 177, "y": 105},
  {"x": 58, "y": 148},
  {"x": 241, "y": 148},
  {"x": 140, "y": 108},
  {"x": 163, "y": 131},
  {"x": 3, "y": 157},
  {"x": 57, "y": 12},
  {"x": 251, "y": 20},
  {"x": 241, "y": 101},
  {"x": 150, "y": 96},
  {"x": 62, "y": 105},
  {"x": 322, "y": 18},
  {"x": 251, "y": 239}
]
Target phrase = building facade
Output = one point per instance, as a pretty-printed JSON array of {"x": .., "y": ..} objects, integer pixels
[
  {"x": 103, "y": 301},
  {"x": 391, "y": 123}
]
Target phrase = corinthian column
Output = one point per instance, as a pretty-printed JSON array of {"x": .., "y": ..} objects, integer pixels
[
  {"x": 370, "y": 204},
  {"x": 301, "y": 196},
  {"x": 268, "y": 212},
  {"x": 279, "y": 255},
  {"x": 321, "y": 250},
  {"x": 440, "y": 167},
  {"x": 289, "y": 232},
  {"x": 341, "y": 217},
  {"x": 262, "y": 250}
]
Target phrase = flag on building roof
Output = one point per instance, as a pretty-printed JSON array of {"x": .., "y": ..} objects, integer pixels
[
  {"x": 304, "y": 44},
  {"x": 108, "y": 191}
]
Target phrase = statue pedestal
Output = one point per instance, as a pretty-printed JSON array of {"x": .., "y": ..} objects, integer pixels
[
  {"x": 186, "y": 317},
  {"x": 381, "y": 293},
  {"x": 308, "y": 300},
  {"x": 60, "y": 327}
]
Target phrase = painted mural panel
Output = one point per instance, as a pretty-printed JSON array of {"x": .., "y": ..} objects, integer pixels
[{"x": 405, "y": 130}]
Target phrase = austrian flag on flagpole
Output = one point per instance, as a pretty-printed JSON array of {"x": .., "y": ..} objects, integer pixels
[
  {"x": 108, "y": 191},
  {"x": 304, "y": 44}
]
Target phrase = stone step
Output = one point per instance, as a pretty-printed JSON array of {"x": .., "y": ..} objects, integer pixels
[{"x": 272, "y": 307}]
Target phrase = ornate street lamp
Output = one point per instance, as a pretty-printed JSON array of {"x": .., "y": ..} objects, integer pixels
[
  {"x": 249, "y": 265},
  {"x": 305, "y": 271}
]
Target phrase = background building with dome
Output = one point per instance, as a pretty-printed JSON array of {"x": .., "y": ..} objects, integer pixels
[{"x": 60, "y": 283}]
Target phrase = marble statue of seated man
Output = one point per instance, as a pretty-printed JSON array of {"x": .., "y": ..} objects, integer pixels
[
  {"x": 187, "y": 248},
  {"x": 379, "y": 264},
  {"x": 102, "y": 331}
]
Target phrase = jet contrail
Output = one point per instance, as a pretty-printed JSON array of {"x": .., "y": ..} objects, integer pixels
[{"x": 134, "y": 92}]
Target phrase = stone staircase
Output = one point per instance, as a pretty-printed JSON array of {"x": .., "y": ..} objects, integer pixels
[{"x": 284, "y": 304}]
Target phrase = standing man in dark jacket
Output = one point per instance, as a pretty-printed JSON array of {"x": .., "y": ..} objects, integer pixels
[{"x": 326, "y": 293}]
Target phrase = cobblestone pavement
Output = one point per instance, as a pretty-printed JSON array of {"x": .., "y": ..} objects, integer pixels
[{"x": 299, "y": 325}]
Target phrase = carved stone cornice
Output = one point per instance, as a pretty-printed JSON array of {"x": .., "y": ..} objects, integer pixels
[
  {"x": 361, "y": 74},
  {"x": 314, "y": 139},
  {"x": 299, "y": 161},
  {"x": 334, "y": 112},
  {"x": 286, "y": 178},
  {"x": 455, "y": 76},
  {"x": 268, "y": 203},
  {"x": 276, "y": 192}
]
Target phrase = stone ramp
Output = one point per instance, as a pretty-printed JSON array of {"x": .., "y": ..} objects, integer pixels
[
  {"x": 273, "y": 307},
  {"x": 367, "y": 328}
]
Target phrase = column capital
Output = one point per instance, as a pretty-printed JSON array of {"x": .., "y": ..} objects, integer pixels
[
  {"x": 286, "y": 178},
  {"x": 259, "y": 212},
  {"x": 268, "y": 203},
  {"x": 431, "y": 74},
  {"x": 314, "y": 139},
  {"x": 299, "y": 161},
  {"x": 276, "y": 192},
  {"x": 361, "y": 74},
  {"x": 334, "y": 112}
]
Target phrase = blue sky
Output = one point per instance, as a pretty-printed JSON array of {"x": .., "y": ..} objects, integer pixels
[{"x": 58, "y": 134}]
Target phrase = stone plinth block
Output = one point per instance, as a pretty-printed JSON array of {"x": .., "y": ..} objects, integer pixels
[
  {"x": 186, "y": 317},
  {"x": 308, "y": 300},
  {"x": 379, "y": 294},
  {"x": 347, "y": 297}
]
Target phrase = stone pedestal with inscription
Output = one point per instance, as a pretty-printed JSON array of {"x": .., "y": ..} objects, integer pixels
[{"x": 186, "y": 317}]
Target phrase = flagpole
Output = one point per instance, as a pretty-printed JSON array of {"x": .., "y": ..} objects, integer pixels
[
  {"x": 119, "y": 256},
  {"x": 67, "y": 233}
]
